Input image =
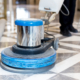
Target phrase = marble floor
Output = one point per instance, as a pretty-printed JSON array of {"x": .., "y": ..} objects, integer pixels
[{"x": 67, "y": 65}]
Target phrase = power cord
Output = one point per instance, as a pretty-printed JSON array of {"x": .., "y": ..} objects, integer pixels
[{"x": 67, "y": 11}]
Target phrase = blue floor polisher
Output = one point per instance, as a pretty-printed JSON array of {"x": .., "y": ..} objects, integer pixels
[{"x": 33, "y": 52}]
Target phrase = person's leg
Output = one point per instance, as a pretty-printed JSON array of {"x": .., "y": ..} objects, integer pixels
[
  {"x": 64, "y": 20},
  {"x": 71, "y": 16},
  {"x": 72, "y": 11}
]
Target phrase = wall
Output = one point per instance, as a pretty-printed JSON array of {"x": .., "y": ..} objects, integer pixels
[{"x": 2, "y": 8}]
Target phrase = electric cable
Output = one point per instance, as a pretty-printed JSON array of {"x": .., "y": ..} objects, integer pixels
[
  {"x": 67, "y": 11},
  {"x": 50, "y": 35}
]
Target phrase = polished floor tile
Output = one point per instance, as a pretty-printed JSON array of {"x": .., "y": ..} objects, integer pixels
[
  {"x": 64, "y": 56},
  {"x": 73, "y": 69},
  {"x": 65, "y": 64},
  {"x": 73, "y": 38},
  {"x": 6, "y": 44},
  {"x": 69, "y": 46},
  {"x": 40, "y": 77},
  {"x": 72, "y": 42},
  {"x": 65, "y": 51},
  {"x": 75, "y": 76},
  {"x": 6, "y": 39},
  {"x": 61, "y": 77},
  {"x": 14, "y": 77}
]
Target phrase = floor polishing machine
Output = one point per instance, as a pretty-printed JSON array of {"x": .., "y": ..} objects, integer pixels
[{"x": 33, "y": 52}]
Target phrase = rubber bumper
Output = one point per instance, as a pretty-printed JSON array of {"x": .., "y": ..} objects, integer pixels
[{"x": 20, "y": 61}]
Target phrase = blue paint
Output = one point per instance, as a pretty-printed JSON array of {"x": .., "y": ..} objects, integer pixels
[
  {"x": 28, "y": 63},
  {"x": 25, "y": 23}
]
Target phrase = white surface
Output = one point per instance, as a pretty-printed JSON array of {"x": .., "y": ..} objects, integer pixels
[
  {"x": 54, "y": 5},
  {"x": 40, "y": 77}
]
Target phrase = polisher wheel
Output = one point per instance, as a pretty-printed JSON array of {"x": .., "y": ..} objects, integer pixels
[{"x": 56, "y": 44}]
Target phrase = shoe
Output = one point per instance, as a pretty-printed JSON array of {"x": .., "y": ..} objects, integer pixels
[
  {"x": 72, "y": 29},
  {"x": 65, "y": 33}
]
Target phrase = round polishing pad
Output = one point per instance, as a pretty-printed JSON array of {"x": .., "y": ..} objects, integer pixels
[{"x": 20, "y": 61}]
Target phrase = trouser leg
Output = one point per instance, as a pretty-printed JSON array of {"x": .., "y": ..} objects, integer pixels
[
  {"x": 62, "y": 18},
  {"x": 72, "y": 12}
]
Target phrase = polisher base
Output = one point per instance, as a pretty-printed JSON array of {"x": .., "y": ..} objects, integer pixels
[{"x": 27, "y": 63}]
